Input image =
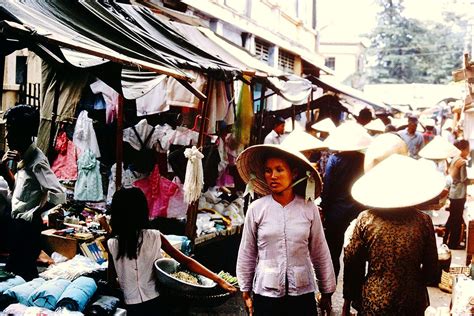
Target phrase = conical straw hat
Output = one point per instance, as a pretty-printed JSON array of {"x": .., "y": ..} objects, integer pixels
[
  {"x": 398, "y": 182},
  {"x": 439, "y": 149},
  {"x": 326, "y": 125},
  {"x": 375, "y": 125},
  {"x": 349, "y": 136},
  {"x": 382, "y": 147},
  {"x": 301, "y": 141},
  {"x": 251, "y": 162}
]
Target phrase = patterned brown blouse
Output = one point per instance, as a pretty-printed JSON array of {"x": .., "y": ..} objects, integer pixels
[{"x": 400, "y": 249}]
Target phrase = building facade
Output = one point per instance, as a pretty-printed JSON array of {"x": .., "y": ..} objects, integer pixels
[{"x": 281, "y": 33}]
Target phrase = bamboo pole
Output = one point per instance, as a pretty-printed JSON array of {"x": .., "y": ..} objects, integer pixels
[{"x": 119, "y": 146}]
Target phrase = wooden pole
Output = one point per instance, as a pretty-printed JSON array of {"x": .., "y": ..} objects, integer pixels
[
  {"x": 191, "y": 215},
  {"x": 119, "y": 145},
  {"x": 262, "y": 109},
  {"x": 2, "y": 77}
]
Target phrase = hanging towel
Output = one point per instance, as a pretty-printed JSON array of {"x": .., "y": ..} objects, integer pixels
[
  {"x": 89, "y": 181},
  {"x": 23, "y": 291},
  {"x": 111, "y": 98},
  {"x": 77, "y": 294},
  {"x": 84, "y": 135},
  {"x": 48, "y": 294},
  {"x": 8, "y": 284}
]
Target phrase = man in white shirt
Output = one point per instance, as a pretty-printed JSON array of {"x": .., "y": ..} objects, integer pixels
[{"x": 275, "y": 136}]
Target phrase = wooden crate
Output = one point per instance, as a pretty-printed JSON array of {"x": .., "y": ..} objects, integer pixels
[{"x": 65, "y": 246}]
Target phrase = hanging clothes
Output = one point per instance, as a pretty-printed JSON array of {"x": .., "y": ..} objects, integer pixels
[
  {"x": 154, "y": 101},
  {"x": 111, "y": 98},
  {"x": 184, "y": 136},
  {"x": 244, "y": 119},
  {"x": 177, "y": 207},
  {"x": 217, "y": 105},
  {"x": 128, "y": 178},
  {"x": 144, "y": 131},
  {"x": 89, "y": 182},
  {"x": 179, "y": 95},
  {"x": 65, "y": 164},
  {"x": 158, "y": 191},
  {"x": 84, "y": 135}
]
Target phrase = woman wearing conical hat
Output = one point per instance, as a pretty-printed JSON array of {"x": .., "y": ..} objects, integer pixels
[
  {"x": 343, "y": 168},
  {"x": 283, "y": 246},
  {"x": 396, "y": 240}
]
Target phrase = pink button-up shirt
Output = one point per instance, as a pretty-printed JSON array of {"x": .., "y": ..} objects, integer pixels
[{"x": 283, "y": 249}]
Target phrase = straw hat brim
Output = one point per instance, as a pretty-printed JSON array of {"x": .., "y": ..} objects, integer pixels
[
  {"x": 326, "y": 125},
  {"x": 439, "y": 149},
  {"x": 398, "y": 182},
  {"x": 251, "y": 161},
  {"x": 382, "y": 147},
  {"x": 302, "y": 141},
  {"x": 349, "y": 136}
]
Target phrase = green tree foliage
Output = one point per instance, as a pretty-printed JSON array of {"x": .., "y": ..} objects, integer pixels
[{"x": 406, "y": 50}]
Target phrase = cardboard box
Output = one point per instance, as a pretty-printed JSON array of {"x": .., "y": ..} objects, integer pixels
[{"x": 65, "y": 246}]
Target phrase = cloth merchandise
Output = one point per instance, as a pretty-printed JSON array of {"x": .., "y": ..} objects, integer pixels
[
  {"x": 71, "y": 269},
  {"x": 8, "y": 284},
  {"x": 158, "y": 190},
  {"x": 144, "y": 131},
  {"x": 23, "y": 291},
  {"x": 165, "y": 135},
  {"x": 84, "y": 135},
  {"x": 218, "y": 105},
  {"x": 244, "y": 117},
  {"x": 194, "y": 179},
  {"x": 128, "y": 178},
  {"x": 35, "y": 311},
  {"x": 136, "y": 276},
  {"x": 65, "y": 164},
  {"x": 154, "y": 101},
  {"x": 111, "y": 98},
  {"x": 179, "y": 95},
  {"x": 89, "y": 181},
  {"x": 185, "y": 137},
  {"x": 177, "y": 207},
  {"x": 178, "y": 162},
  {"x": 70, "y": 93},
  {"x": 104, "y": 306},
  {"x": 77, "y": 294},
  {"x": 15, "y": 309},
  {"x": 48, "y": 293}
]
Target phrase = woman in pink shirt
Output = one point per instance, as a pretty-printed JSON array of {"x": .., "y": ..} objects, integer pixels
[{"x": 283, "y": 257}]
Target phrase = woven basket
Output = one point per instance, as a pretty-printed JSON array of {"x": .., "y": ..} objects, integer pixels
[{"x": 446, "y": 283}]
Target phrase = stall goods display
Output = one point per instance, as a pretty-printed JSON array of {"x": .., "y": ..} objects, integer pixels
[{"x": 187, "y": 277}]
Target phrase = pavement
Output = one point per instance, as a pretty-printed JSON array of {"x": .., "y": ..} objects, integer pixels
[{"x": 438, "y": 298}]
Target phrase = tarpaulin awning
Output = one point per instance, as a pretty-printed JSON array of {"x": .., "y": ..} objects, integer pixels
[
  {"x": 346, "y": 92},
  {"x": 89, "y": 34}
]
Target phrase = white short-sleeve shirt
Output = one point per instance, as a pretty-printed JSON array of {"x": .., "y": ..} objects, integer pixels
[{"x": 136, "y": 276}]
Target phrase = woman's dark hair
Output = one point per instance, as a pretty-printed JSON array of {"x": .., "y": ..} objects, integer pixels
[
  {"x": 129, "y": 218},
  {"x": 24, "y": 117},
  {"x": 461, "y": 144}
]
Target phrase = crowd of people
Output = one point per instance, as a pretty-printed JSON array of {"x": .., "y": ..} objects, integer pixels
[
  {"x": 372, "y": 194},
  {"x": 355, "y": 195}
]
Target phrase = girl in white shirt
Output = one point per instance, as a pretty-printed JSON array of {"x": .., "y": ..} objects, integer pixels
[{"x": 134, "y": 249}]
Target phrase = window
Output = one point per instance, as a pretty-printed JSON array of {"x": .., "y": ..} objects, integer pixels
[
  {"x": 286, "y": 61},
  {"x": 21, "y": 70},
  {"x": 330, "y": 62},
  {"x": 261, "y": 50}
]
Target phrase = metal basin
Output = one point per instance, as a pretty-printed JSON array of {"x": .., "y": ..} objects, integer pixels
[{"x": 165, "y": 267}]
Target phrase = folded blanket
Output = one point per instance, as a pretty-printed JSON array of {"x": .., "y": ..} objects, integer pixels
[
  {"x": 77, "y": 294},
  {"x": 15, "y": 309},
  {"x": 104, "y": 306},
  {"x": 5, "y": 285},
  {"x": 23, "y": 291},
  {"x": 48, "y": 294}
]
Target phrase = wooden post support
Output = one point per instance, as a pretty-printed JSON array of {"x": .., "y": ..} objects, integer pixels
[
  {"x": 261, "y": 109},
  {"x": 2, "y": 75},
  {"x": 119, "y": 145},
  {"x": 191, "y": 215}
]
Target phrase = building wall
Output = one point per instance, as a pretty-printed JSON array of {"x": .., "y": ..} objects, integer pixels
[
  {"x": 349, "y": 58},
  {"x": 285, "y": 24}
]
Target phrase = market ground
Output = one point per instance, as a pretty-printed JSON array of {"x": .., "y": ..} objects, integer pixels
[{"x": 438, "y": 298}]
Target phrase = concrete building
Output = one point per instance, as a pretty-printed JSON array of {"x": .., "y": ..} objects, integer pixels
[
  {"x": 345, "y": 56},
  {"x": 281, "y": 33}
]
